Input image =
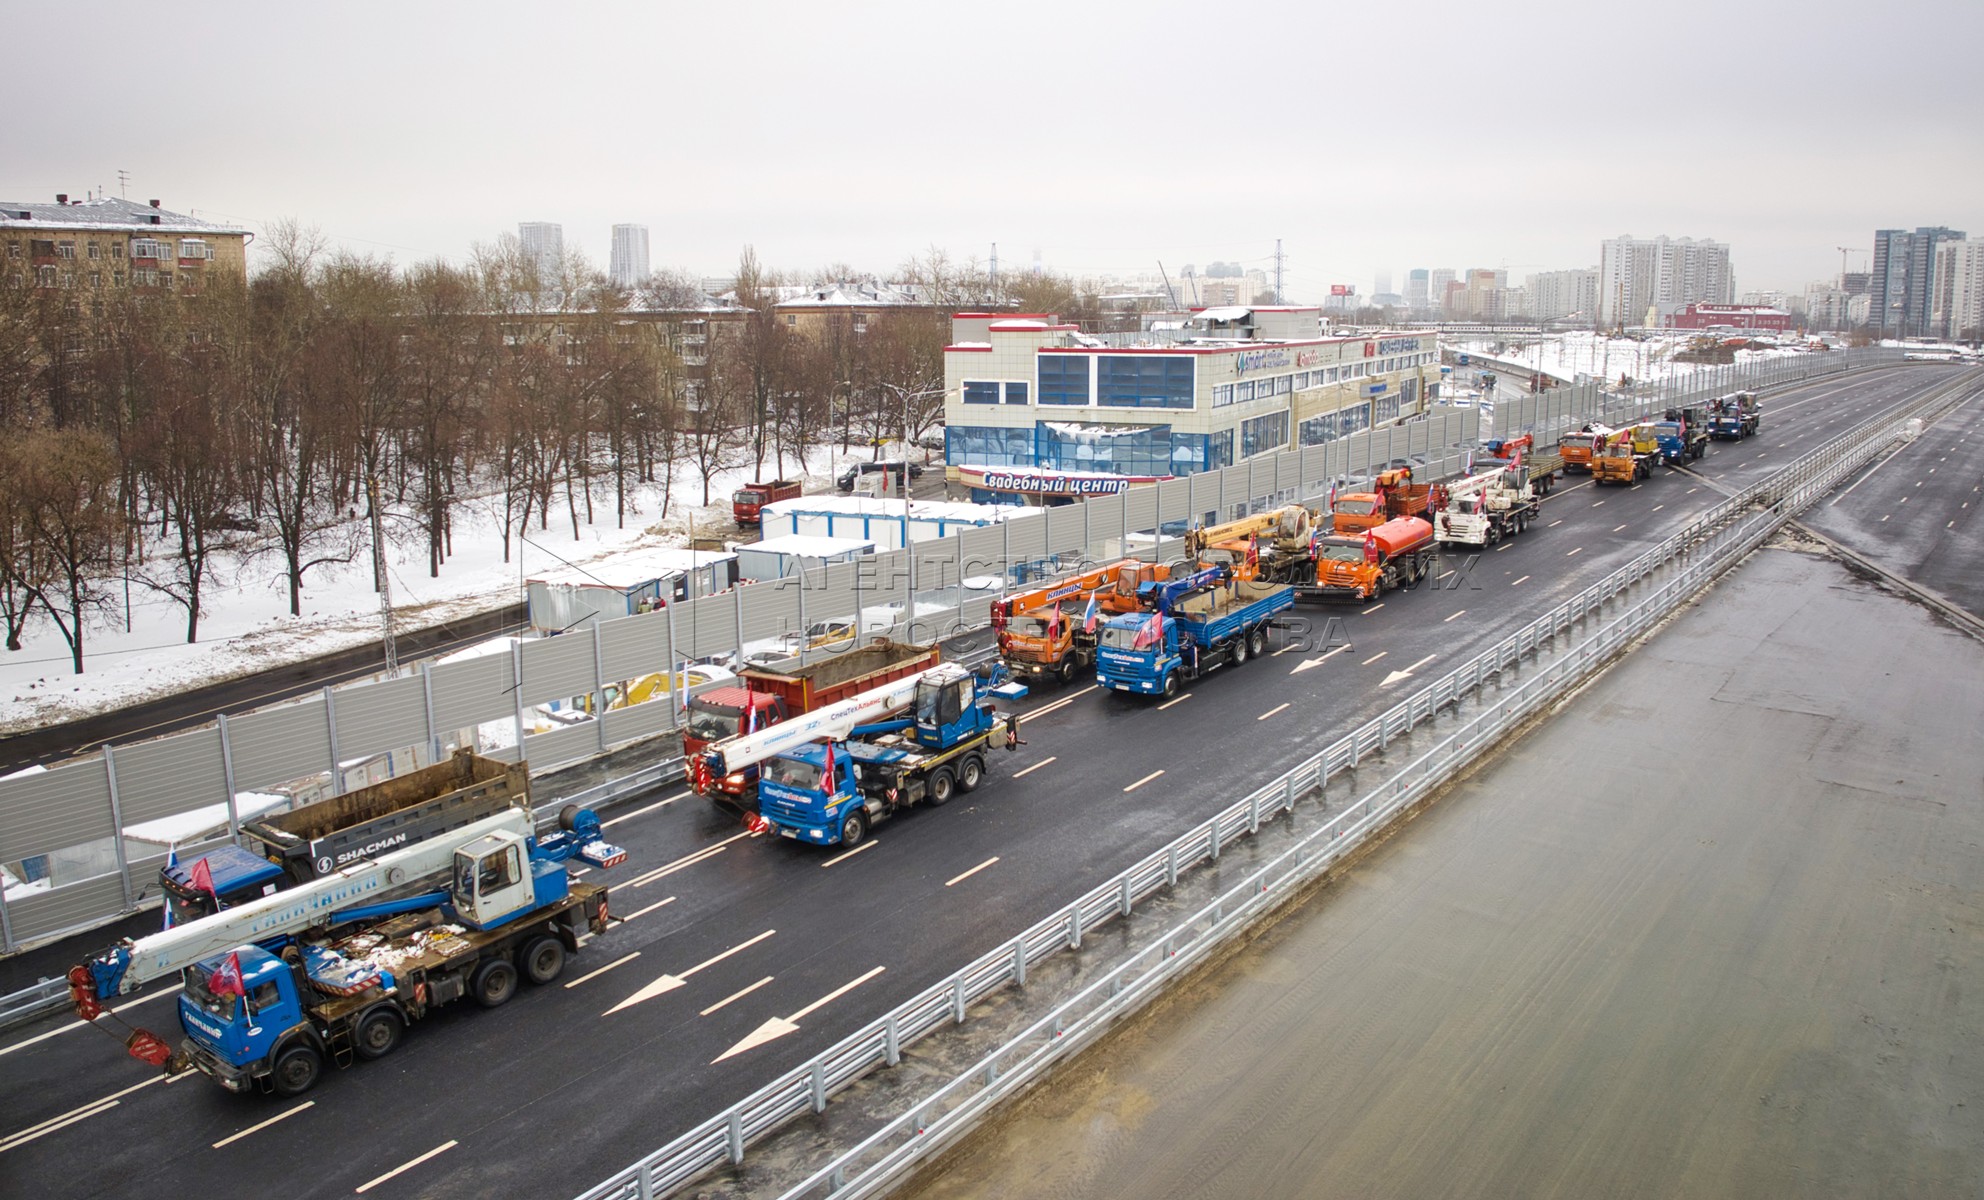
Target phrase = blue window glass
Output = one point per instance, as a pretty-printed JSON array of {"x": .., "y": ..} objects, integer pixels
[
  {"x": 1144, "y": 381},
  {"x": 1317, "y": 430},
  {"x": 1195, "y": 452},
  {"x": 988, "y": 446},
  {"x": 1354, "y": 419},
  {"x": 981, "y": 393},
  {"x": 1258, "y": 435},
  {"x": 1016, "y": 393},
  {"x": 1063, "y": 378},
  {"x": 1120, "y": 449}
]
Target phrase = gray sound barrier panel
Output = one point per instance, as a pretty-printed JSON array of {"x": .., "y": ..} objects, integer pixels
[
  {"x": 378, "y": 717},
  {"x": 1140, "y": 509},
  {"x": 706, "y": 626},
  {"x": 771, "y": 610},
  {"x": 626, "y": 724},
  {"x": 473, "y": 690},
  {"x": 170, "y": 775},
  {"x": 555, "y": 668},
  {"x": 1175, "y": 500},
  {"x": 545, "y": 750},
  {"x": 936, "y": 565},
  {"x": 68, "y": 907},
  {"x": 985, "y": 551},
  {"x": 633, "y": 647},
  {"x": 1028, "y": 539},
  {"x": 277, "y": 745},
  {"x": 829, "y": 592},
  {"x": 977, "y": 612},
  {"x": 1234, "y": 491},
  {"x": 62, "y": 806},
  {"x": 1064, "y": 529}
]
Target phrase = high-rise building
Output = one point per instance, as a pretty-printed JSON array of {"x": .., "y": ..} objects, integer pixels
[
  {"x": 1441, "y": 277},
  {"x": 1660, "y": 274},
  {"x": 1382, "y": 283},
  {"x": 1418, "y": 288},
  {"x": 1900, "y": 293},
  {"x": 1554, "y": 295},
  {"x": 544, "y": 245},
  {"x": 629, "y": 265},
  {"x": 1957, "y": 306}
]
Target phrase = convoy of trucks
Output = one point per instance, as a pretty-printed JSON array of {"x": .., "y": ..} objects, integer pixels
[
  {"x": 1044, "y": 632},
  {"x": 331, "y": 970},
  {"x": 763, "y": 697}
]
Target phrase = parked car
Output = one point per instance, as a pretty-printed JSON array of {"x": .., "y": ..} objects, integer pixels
[{"x": 846, "y": 481}]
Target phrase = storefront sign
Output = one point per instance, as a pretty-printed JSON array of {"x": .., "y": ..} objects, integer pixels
[
  {"x": 1259, "y": 360},
  {"x": 1400, "y": 345},
  {"x": 1072, "y": 485}
]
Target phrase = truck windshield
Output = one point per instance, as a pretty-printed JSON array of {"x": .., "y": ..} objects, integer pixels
[
  {"x": 713, "y": 724},
  {"x": 1349, "y": 554},
  {"x": 794, "y": 773},
  {"x": 1354, "y": 507},
  {"x": 1668, "y": 429},
  {"x": 1120, "y": 637},
  {"x": 745, "y": 497},
  {"x": 222, "y": 1006},
  {"x": 1032, "y": 627},
  {"x": 1574, "y": 441}
]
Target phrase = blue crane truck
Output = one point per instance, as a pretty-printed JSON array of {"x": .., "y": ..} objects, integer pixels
[
  {"x": 1682, "y": 434},
  {"x": 1190, "y": 625},
  {"x": 332, "y": 971},
  {"x": 830, "y": 792},
  {"x": 1735, "y": 417}
]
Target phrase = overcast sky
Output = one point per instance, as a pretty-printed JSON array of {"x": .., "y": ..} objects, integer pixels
[{"x": 1105, "y": 137}]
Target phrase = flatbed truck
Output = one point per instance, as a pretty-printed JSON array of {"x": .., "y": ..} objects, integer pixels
[{"x": 1192, "y": 625}]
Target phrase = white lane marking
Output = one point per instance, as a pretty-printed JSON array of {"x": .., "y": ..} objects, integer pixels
[
  {"x": 1146, "y": 779},
  {"x": 1904, "y": 499},
  {"x": 1519, "y": 582},
  {"x": 1319, "y": 660},
  {"x": 1658, "y": 507},
  {"x": 1918, "y": 483},
  {"x": 1503, "y": 546},
  {"x": 778, "y": 1027},
  {"x": 50, "y": 1126},
  {"x": 1395, "y": 676},
  {"x": 1599, "y": 504},
  {"x": 1374, "y": 658},
  {"x": 235, "y": 1137},
  {"x": 737, "y": 995},
  {"x": 1691, "y": 491},
  {"x": 687, "y": 860},
  {"x": 1555, "y": 523},
  {"x": 968, "y": 874},
  {"x": 644, "y": 912},
  {"x": 1885, "y": 518},
  {"x": 1179, "y": 700},
  {"x": 1060, "y": 704},
  {"x": 1951, "y": 525},
  {"x": 42, "y": 1037},
  {"x": 1374, "y": 608},
  {"x": 1782, "y": 445},
  {"x": 450, "y": 1144},
  {"x": 1617, "y": 528},
  {"x": 664, "y": 984},
  {"x": 597, "y": 971},
  {"x": 1035, "y": 767},
  {"x": 644, "y": 811},
  {"x": 1579, "y": 550},
  {"x": 1461, "y": 613},
  {"x": 1444, "y": 574},
  {"x": 1272, "y": 711},
  {"x": 845, "y": 855}
]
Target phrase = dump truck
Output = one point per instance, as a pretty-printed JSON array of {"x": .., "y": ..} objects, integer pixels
[
  {"x": 1393, "y": 494},
  {"x": 1191, "y": 625},
  {"x": 287, "y": 848},
  {"x": 922, "y": 744},
  {"x": 762, "y": 697},
  {"x": 333, "y": 970},
  {"x": 1683, "y": 435},
  {"x": 1577, "y": 448},
  {"x": 747, "y": 503},
  {"x": 1618, "y": 458},
  {"x": 1359, "y": 567}
]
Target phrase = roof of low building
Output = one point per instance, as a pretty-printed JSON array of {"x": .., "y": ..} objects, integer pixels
[{"x": 104, "y": 212}]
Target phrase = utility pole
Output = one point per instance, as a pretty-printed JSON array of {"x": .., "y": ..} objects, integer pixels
[
  {"x": 1277, "y": 272},
  {"x": 385, "y": 583}
]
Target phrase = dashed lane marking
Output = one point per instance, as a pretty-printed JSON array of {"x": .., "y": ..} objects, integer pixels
[
  {"x": 1461, "y": 613},
  {"x": 1579, "y": 550},
  {"x": 1272, "y": 711},
  {"x": 1146, "y": 779},
  {"x": 1177, "y": 700},
  {"x": 1035, "y": 767},
  {"x": 738, "y": 995},
  {"x": 597, "y": 971},
  {"x": 1518, "y": 583},
  {"x": 42, "y": 1037},
  {"x": 1658, "y": 507},
  {"x": 650, "y": 908},
  {"x": 1617, "y": 528},
  {"x": 258, "y": 1127},
  {"x": 450, "y": 1144},
  {"x": 1555, "y": 523},
  {"x": 1374, "y": 608},
  {"x": 1374, "y": 658},
  {"x": 968, "y": 874},
  {"x": 843, "y": 857}
]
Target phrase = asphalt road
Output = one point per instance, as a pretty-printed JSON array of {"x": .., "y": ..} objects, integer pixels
[
  {"x": 1732, "y": 952},
  {"x": 616, "y": 1061}
]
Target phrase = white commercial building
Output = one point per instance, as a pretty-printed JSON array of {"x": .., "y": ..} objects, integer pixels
[
  {"x": 544, "y": 245},
  {"x": 629, "y": 264},
  {"x": 1639, "y": 276}
]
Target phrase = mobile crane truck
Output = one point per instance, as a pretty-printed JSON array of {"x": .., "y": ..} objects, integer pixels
[
  {"x": 1734, "y": 417},
  {"x": 1578, "y": 448},
  {"x": 1042, "y": 631},
  {"x": 1544, "y": 465},
  {"x": 1192, "y": 625},
  {"x": 360, "y": 959},
  {"x": 1480, "y": 510},
  {"x": 1683, "y": 435}
]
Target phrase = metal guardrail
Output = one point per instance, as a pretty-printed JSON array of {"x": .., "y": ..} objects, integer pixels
[{"x": 1700, "y": 550}]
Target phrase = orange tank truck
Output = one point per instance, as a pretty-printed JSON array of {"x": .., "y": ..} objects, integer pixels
[{"x": 1358, "y": 566}]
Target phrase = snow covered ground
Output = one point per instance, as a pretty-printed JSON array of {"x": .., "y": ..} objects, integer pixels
[
  {"x": 1565, "y": 356},
  {"x": 246, "y": 626}
]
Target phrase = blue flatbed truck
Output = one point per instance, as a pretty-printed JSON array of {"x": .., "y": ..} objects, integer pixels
[
  {"x": 1190, "y": 626},
  {"x": 829, "y": 792}
]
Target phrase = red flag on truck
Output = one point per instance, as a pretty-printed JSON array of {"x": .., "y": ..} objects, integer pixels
[
  {"x": 226, "y": 979},
  {"x": 1151, "y": 633},
  {"x": 202, "y": 877}
]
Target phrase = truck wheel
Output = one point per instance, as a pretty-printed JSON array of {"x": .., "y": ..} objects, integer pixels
[
  {"x": 854, "y": 827},
  {"x": 1067, "y": 671},
  {"x": 378, "y": 1033},
  {"x": 1236, "y": 652},
  {"x": 494, "y": 983},
  {"x": 942, "y": 787},
  {"x": 1171, "y": 685},
  {"x": 296, "y": 1071},
  {"x": 1257, "y": 641},
  {"x": 971, "y": 774},
  {"x": 544, "y": 960}
]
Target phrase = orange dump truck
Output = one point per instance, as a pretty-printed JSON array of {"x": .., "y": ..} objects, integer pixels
[
  {"x": 1394, "y": 495},
  {"x": 1358, "y": 566},
  {"x": 1579, "y": 448}
]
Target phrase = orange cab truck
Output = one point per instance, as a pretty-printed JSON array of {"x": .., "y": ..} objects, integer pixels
[
  {"x": 1578, "y": 449},
  {"x": 1617, "y": 459},
  {"x": 762, "y": 698},
  {"x": 1359, "y": 566},
  {"x": 1393, "y": 495},
  {"x": 1042, "y": 631}
]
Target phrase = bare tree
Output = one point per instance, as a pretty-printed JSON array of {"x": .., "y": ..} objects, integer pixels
[{"x": 68, "y": 494}]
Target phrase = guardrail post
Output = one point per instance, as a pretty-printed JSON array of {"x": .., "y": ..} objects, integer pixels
[
  {"x": 1254, "y": 813},
  {"x": 1075, "y": 927},
  {"x": 643, "y": 1185},
  {"x": 1171, "y": 866},
  {"x": 819, "y": 1086},
  {"x": 1124, "y": 896},
  {"x": 1288, "y": 790},
  {"x": 736, "y": 1138},
  {"x": 1019, "y": 962},
  {"x": 957, "y": 999},
  {"x": 1213, "y": 838},
  {"x": 891, "y": 1041}
]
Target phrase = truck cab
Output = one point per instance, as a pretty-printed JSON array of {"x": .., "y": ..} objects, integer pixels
[
  {"x": 234, "y": 1037},
  {"x": 725, "y": 712},
  {"x": 747, "y": 503},
  {"x": 238, "y": 875}
]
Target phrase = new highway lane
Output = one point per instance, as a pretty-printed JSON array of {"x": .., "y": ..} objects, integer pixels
[{"x": 742, "y": 956}]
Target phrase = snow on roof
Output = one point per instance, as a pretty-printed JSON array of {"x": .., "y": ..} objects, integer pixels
[
  {"x": 632, "y": 567},
  {"x": 104, "y": 212},
  {"x": 969, "y": 346},
  {"x": 808, "y": 545},
  {"x": 919, "y": 510},
  {"x": 1230, "y": 312},
  {"x": 483, "y": 649},
  {"x": 203, "y": 823}
]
